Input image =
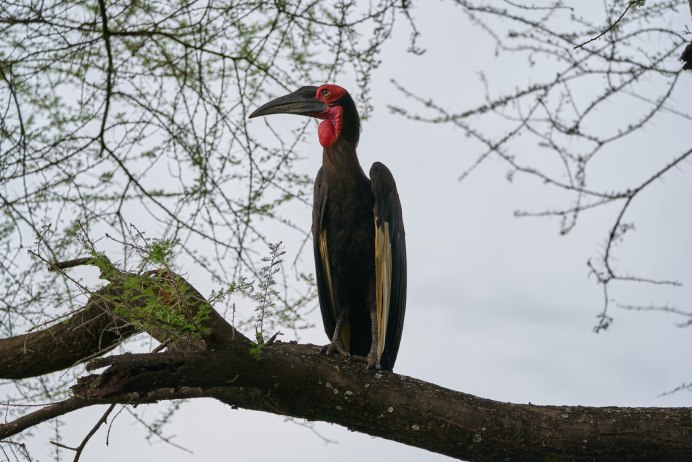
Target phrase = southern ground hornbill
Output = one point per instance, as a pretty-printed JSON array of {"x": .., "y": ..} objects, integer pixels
[{"x": 357, "y": 230}]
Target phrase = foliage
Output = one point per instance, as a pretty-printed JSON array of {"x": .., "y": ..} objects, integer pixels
[
  {"x": 119, "y": 114},
  {"x": 149, "y": 298}
]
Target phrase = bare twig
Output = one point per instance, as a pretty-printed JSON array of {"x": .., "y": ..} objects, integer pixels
[
  {"x": 608, "y": 29},
  {"x": 684, "y": 386},
  {"x": 61, "y": 265},
  {"x": 91, "y": 433}
]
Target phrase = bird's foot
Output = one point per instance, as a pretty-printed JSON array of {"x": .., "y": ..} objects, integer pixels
[
  {"x": 335, "y": 346},
  {"x": 370, "y": 360},
  {"x": 373, "y": 362}
]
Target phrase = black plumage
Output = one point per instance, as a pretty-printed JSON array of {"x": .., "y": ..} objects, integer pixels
[{"x": 358, "y": 233}]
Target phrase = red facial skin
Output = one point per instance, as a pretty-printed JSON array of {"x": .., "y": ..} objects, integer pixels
[{"x": 330, "y": 127}]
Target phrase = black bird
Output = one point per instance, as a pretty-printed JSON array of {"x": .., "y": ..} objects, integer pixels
[{"x": 357, "y": 230}]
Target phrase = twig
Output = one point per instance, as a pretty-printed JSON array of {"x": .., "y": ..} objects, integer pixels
[
  {"x": 684, "y": 386},
  {"x": 91, "y": 433},
  {"x": 21, "y": 446},
  {"x": 61, "y": 265},
  {"x": 608, "y": 29},
  {"x": 556, "y": 6},
  {"x": 109, "y": 74},
  {"x": 77, "y": 402},
  {"x": 42, "y": 415},
  {"x": 108, "y": 433},
  {"x": 161, "y": 346},
  {"x": 60, "y": 445}
]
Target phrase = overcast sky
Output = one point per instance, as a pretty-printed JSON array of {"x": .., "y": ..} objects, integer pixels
[{"x": 498, "y": 307}]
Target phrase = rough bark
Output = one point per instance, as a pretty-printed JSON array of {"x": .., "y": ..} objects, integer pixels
[
  {"x": 103, "y": 323},
  {"x": 91, "y": 331},
  {"x": 295, "y": 380}
]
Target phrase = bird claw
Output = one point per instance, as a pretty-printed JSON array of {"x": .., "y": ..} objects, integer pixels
[
  {"x": 373, "y": 363},
  {"x": 371, "y": 360},
  {"x": 335, "y": 346}
]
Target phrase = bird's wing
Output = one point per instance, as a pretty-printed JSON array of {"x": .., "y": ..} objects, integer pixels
[
  {"x": 390, "y": 261},
  {"x": 325, "y": 289}
]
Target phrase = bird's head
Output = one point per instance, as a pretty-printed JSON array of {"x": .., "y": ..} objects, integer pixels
[{"x": 331, "y": 103}]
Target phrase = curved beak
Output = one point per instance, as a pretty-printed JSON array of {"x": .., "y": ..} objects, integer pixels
[{"x": 301, "y": 102}]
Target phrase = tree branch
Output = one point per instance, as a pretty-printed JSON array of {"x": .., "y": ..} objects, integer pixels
[
  {"x": 65, "y": 344},
  {"x": 112, "y": 314},
  {"x": 295, "y": 380},
  {"x": 629, "y": 5}
]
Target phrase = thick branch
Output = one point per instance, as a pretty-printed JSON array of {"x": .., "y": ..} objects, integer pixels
[
  {"x": 88, "y": 332},
  {"x": 294, "y": 380},
  {"x": 112, "y": 314}
]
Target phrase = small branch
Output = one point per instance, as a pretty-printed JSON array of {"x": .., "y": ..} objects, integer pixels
[
  {"x": 629, "y": 5},
  {"x": 41, "y": 415},
  {"x": 61, "y": 265},
  {"x": 63, "y": 446},
  {"x": 77, "y": 402},
  {"x": 20, "y": 446},
  {"x": 556, "y": 6},
  {"x": 663, "y": 309},
  {"x": 109, "y": 74},
  {"x": 684, "y": 386},
  {"x": 91, "y": 433}
]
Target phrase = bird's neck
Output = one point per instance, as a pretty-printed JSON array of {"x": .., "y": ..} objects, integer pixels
[{"x": 340, "y": 159}]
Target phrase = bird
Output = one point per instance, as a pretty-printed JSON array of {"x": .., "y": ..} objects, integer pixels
[{"x": 358, "y": 233}]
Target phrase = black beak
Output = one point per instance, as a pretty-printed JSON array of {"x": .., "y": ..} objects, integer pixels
[{"x": 302, "y": 102}]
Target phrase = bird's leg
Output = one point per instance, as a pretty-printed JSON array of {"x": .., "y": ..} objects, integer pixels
[
  {"x": 373, "y": 360},
  {"x": 337, "y": 344}
]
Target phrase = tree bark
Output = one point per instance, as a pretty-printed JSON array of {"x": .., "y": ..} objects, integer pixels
[
  {"x": 103, "y": 324},
  {"x": 90, "y": 331},
  {"x": 295, "y": 380}
]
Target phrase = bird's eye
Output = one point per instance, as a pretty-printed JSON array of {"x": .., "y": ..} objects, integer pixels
[{"x": 325, "y": 92}]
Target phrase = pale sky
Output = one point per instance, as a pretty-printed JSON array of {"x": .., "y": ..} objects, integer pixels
[{"x": 498, "y": 307}]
